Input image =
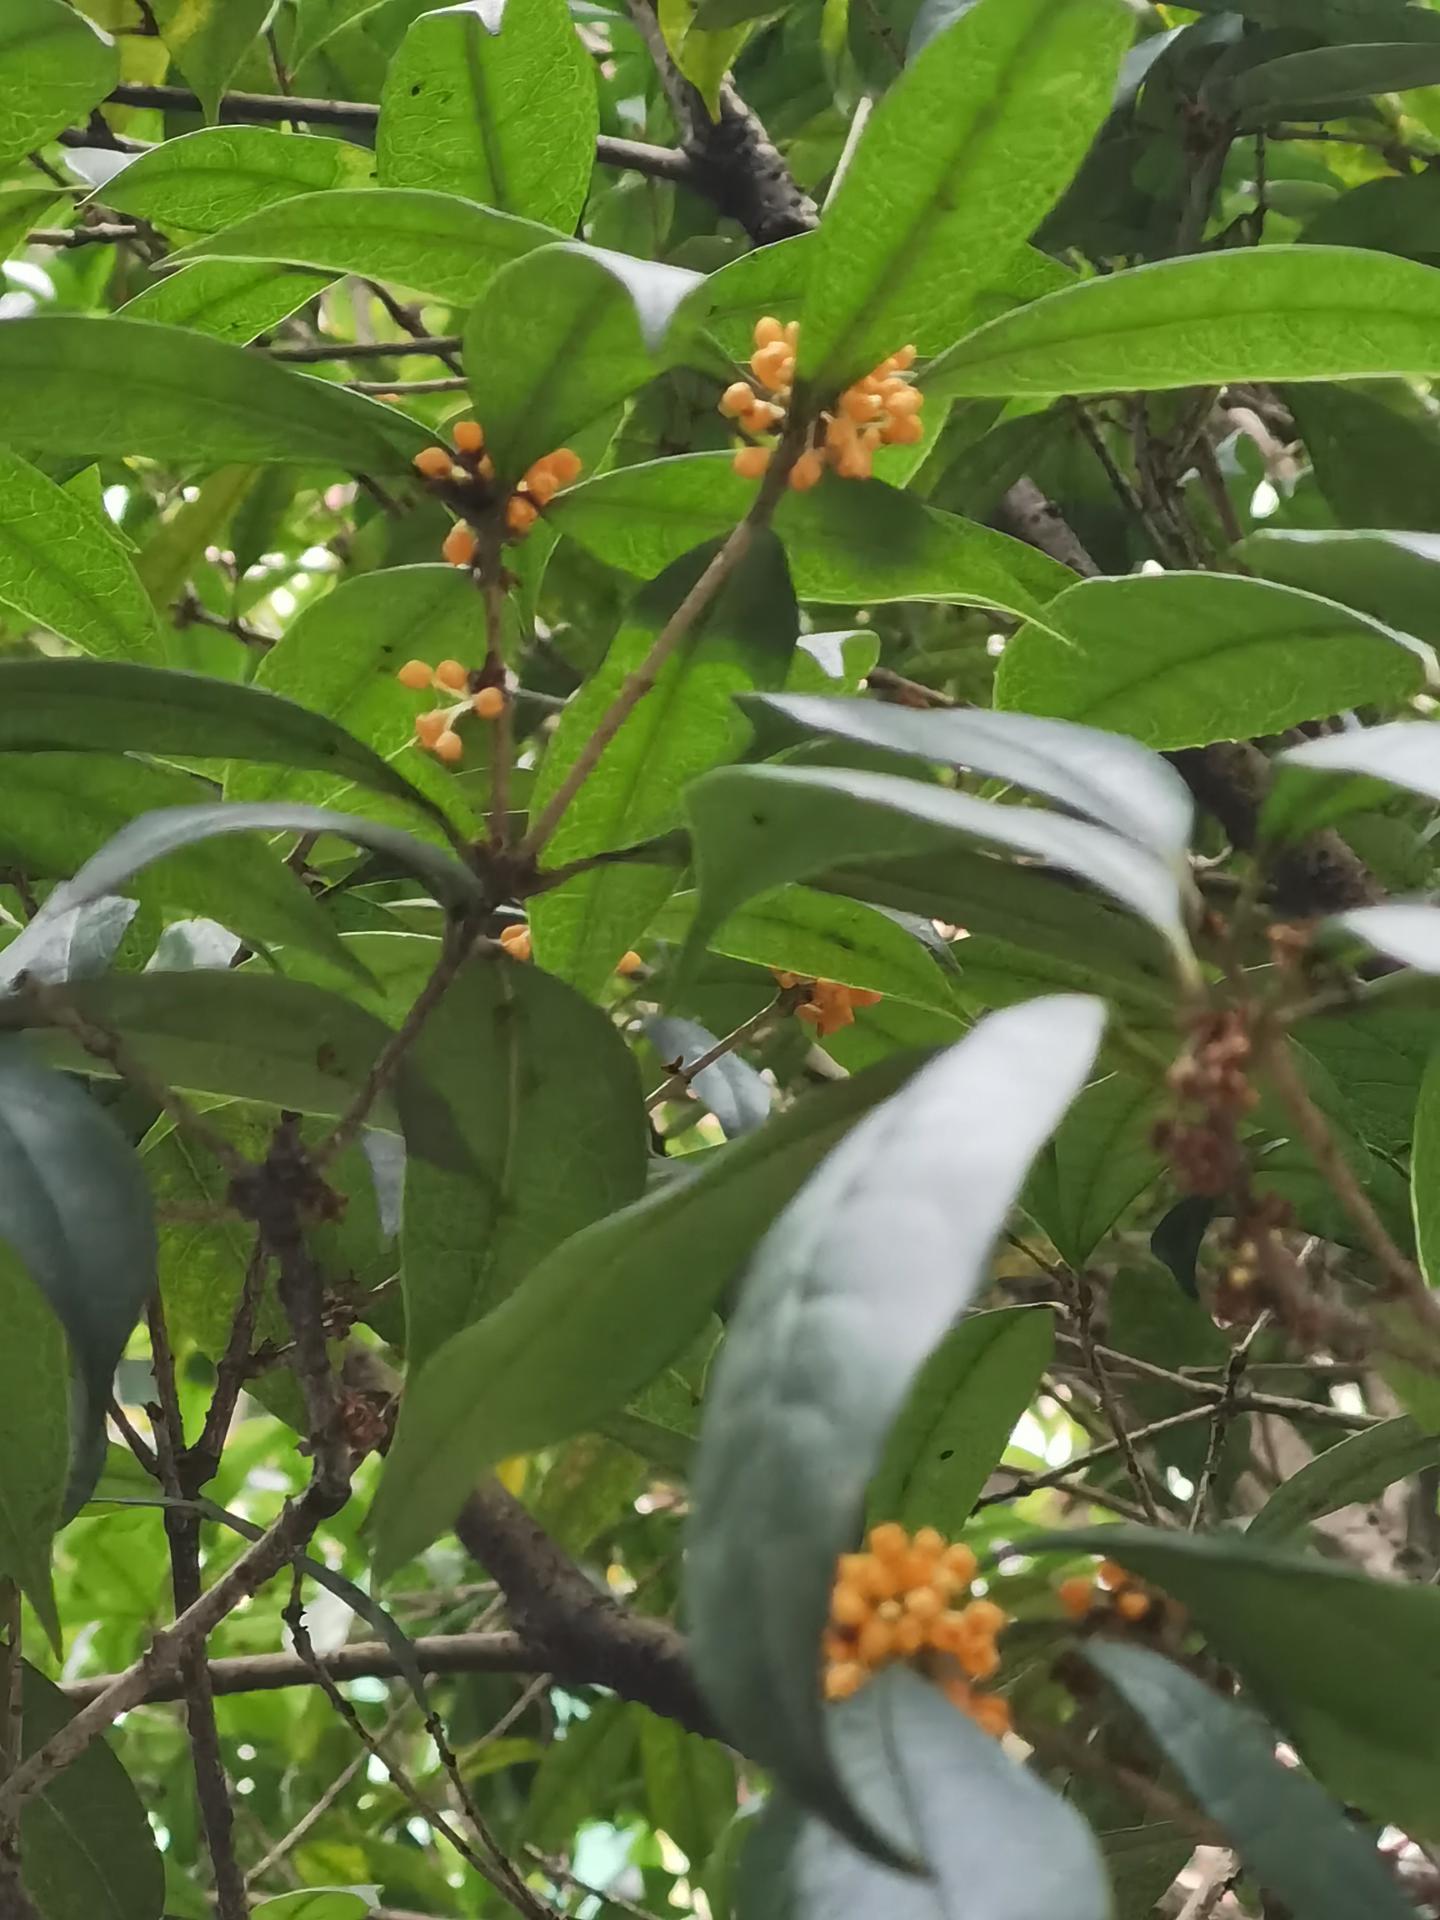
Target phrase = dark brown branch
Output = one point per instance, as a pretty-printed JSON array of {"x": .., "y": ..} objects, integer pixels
[
  {"x": 105, "y": 233},
  {"x": 435, "y": 345}
]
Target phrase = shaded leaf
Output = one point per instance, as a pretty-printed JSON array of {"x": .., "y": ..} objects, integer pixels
[
  {"x": 730, "y": 1088},
  {"x": 1100, "y": 1159},
  {"x": 34, "y": 1437},
  {"x": 1393, "y": 577},
  {"x": 1294, "y": 81},
  {"x": 1355, "y": 1470},
  {"x": 689, "y": 1783}
]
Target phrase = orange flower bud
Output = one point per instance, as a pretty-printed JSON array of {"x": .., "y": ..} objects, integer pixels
[
  {"x": 909, "y": 1636},
  {"x": 857, "y": 404},
  {"x": 768, "y": 330},
  {"x": 449, "y": 747},
  {"x": 1076, "y": 1596},
  {"x": 903, "y": 358},
  {"x": 738, "y": 398},
  {"x": 459, "y": 547},
  {"x": 978, "y": 1657},
  {"x": 629, "y": 964},
  {"x": 489, "y": 703},
  {"x": 990, "y": 1713},
  {"x": 773, "y": 365},
  {"x": 515, "y": 939},
  {"x": 876, "y": 1642},
  {"x": 904, "y": 430},
  {"x": 541, "y": 485},
  {"x": 807, "y": 472},
  {"x": 983, "y": 1616},
  {"x": 520, "y": 515},
  {"x": 468, "y": 435},
  {"x": 866, "y": 997},
  {"x": 849, "y": 1607},
  {"x": 565, "y": 464},
  {"x": 452, "y": 676},
  {"x": 888, "y": 1541},
  {"x": 433, "y": 462},
  {"x": 925, "y": 1603},
  {"x": 904, "y": 399},
  {"x": 1112, "y": 1575},
  {"x": 844, "y": 1679},
  {"x": 416, "y": 675},
  {"x": 751, "y": 462},
  {"x": 960, "y": 1561},
  {"x": 792, "y": 334},
  {"x": 430, "y": 726},
  {"x": 1133, "y": 1605}
]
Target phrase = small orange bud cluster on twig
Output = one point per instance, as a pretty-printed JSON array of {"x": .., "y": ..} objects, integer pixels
[
  {"x": 515, "y": 939},
  {"x": 828, "y": 1006},
  {"x": 1115, "y": 1598},
  {"x": 435, "y": 730},
  {"x": 468, "y": 467},
  {"x": 882, "y": 409},
  {"x": 905, "y": 1599}
]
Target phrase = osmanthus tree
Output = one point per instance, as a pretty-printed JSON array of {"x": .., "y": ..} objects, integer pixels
[{"x": 719, "y": 1124}]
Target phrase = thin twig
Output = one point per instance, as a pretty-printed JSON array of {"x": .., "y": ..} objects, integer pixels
[
  {"x": 203, "y": 1459},
  {"x": 1025, "y": 1483},
  {"x": 560, "y": 1874},
  {"x": 1113, "y": 1411},
  {"x": 314, "y": 1813},
  {"x": 447, "y": 383},
  {"x": 434, "y": 345},
  {"x": 1220, "y": 1421},
  {"x": 502, "y": 745},
  {"x": 104, "y": 233},
  {"x": 683, "y": 1079}
]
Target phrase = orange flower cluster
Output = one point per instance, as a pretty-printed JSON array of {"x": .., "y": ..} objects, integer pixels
[
  {"x": 515, "y": 939},
  {"x": 882, "y": 409},
  {"x": 828, "y": 1006},
  {"x": 435, "y": 730},
  {"x": 468, "y": 465},
  {"x": 904, "y": 1599},
  {"x": 1113, "y": 1595}
]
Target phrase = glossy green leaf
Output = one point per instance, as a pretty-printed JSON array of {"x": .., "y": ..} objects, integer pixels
[
  {"x": 563, "y": 336},
  {"x": 1392, "y": 576},
  {"x": 249, "y": 1036},
  {"x": 962, "y": 158},
  {"x": 1281, "y": 88},
  {"x": 1247, "y": 313},
  {"x": 504, "y": 115},
  {"x": 756, "y": 827},
  {"x": 687, "y": 724},
  {"x": 599, "y": 1317},
  {"x": 1289, "y": 1626},
  {"x": 204, "y": 181},
  {"x": 315, "y": 1903},
  {"x": 184, "y": 398},
  {"x": 54, "y": 67},
  {"x": 227, "y": 299},
  {"x": 689, "y": 1783},
  {"x": 339, "y": 657},
  {"x": 62, "y": 566},
  {"x": 703, "y": 53},
  {"x": 1296, "y": 1842},
  {"x": 207, "y": 39},
  {"x": 72, "y": 706},
  {"x": 1098, "y": 775},
  {"x": 1100, "y": 1160},
  {"x": 507, "y": 1047},
  {"x": 576, "y": 1770},
  {"x": 85, "y": 1843},
  {"x": 848, "y": 542},
  {"x": 95, "y": 1265},
  {"x": 844, "y": 1299},
  {"x": 1355, "y": 1471},
  {"x": 959, "y": 1417},
  {"x": 58, "y": 810},
  {"x": 34, "y": 1436},
  {"x": 435, "y": 243},
  {"x": 1180, "y": 659},
  {"x": 317, "y": 20}
]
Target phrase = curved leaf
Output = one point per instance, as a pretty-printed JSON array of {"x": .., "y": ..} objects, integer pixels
[
  {"x": 207, "y": 180},
  {"x": 1392, "y": 576},
  {"x": 34, "y": 1437},
  {"x": 54, "y": 67},
  {"x": 227, "y": 299},
  {"x": 1276, "y": 88},
  {"x": 1355, "y": 1470},
  {"x": 459, "y": 111},
  {"x": 1245, "y": 313},
  {"x": 845, "y": 1297}
]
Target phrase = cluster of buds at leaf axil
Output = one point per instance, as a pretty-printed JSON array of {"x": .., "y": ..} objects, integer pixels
[
  {"x": 468, "y": 467},
  {"x": 435, "y": 730},
  {"x": 1213, "y": 1092},
  {"x": 516, "y": 941},
  {"x": 827, "y": 1005},
  {"x": 1115, "y": 1598},
  {"x": 906, "y": 1598},
  {"x": 882, "y": 409}
]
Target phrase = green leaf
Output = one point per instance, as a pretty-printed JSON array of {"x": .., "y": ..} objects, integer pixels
[
  {"x": 184, "y": 398},
  {"x": 62, "y": 566},
  {"x": 848, "y": 542},
  {"x": 86, "y": 1848},
  {"x": 169, "y": 556},
  {"x": 204, "y": 181},
  {"x": 736, "y": 1093},
  {"x": 1180, "y": 659},
  {"x": 1374, "y": 452},
  {"x": 505, "y": 1047},
  {"x": 226, "y": 299},
  {"x": 207, "y": 39},
  {"x": 249, "y": 1036},
  {"x": 563, "y": 336},
  {"x": 338, "y": 658},
  {"x": 1277, "y": 89},
  {"x": 689, "y": 1783},
  {"x": 504, "y": 116},
  {"x": 1100, "y": 1160},
  {"x": 959, "y": 1418},
  {"x": 94, "y": 1264},
  {"x": 847, "y": 1295},
  {"x": 315, "y": 1903},
  {"x": 1289, "y": 1626},
  {"x": 1393, "y": 577},
  {"x": 1355, "y": 1471},
  {"x": 436, "y": 243},
  {"x": 34, "y": 1437},
  {"x": 578, "y": 1770},
  {"x": 1403, "y": 753},
  {"x": 754, "y": 828},
  {"x": 962, "y": 158},
  {"x": 598, "y": 1318},
  {"x": 57, "y": 810},
  {"x": 1295, "y": 1841},
  {"x": 1098, "y": 775},
  {"x": 687, "y": 724},
  {"x": 1245, "y": 313},
  {"x": 79, "y": 705},
  {"x": 54, "y": 67}
]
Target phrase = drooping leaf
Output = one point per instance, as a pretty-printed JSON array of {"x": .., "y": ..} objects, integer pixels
[
  {"x": 54, "y": 67},
  {"x": 1100, "y": 1159},
  {"x": 207, "y": 40},
  {"x": 459, "y": 111},
  {"x": 1246, "y": 313},
  {"x": 204, "y": 181},
  {"x": 853, "y": 542},
  {"x": 687, "y": 724},
  {"x": 1374, "y": 452},
  {"x": 85, "y": 1843},
  {"x": 63, "y": 567},
  {"x": 184, "y": 398},
  {"x": 959, "y": 163},
  {"x": 703, "y": 51},
  {"x": 563, "y": 336},
  {"x": 958, "y": 1419},
  {"x": 436, "y": 243},
  {"x": 579, "y": 1769},
  {"x": 34, "y": 1436},
  {"x": 229, "y": 300},
  {"x": 1096, "y": 774},
  {"x": 1274, "y": 89},
  {"x": 843, "y": 1300},
  {"x": 1295, "y": 1841},
  {"x": 1181, "y": 659},
  {"x": 504, "y": 1047},
  {"x": 599, "y": 1317},
  {"x": 1402, "y": 753},
  {"x": 1357, "y": 1469},
  {"x": 1393, "y": 577}
]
